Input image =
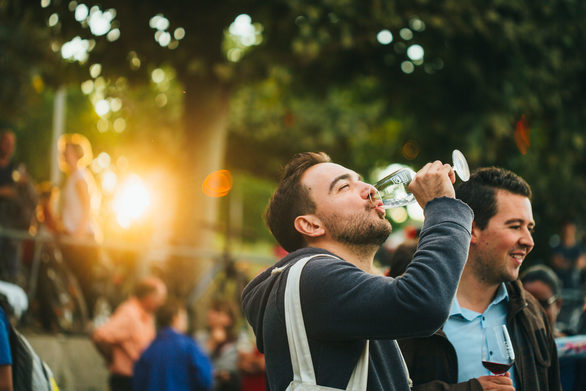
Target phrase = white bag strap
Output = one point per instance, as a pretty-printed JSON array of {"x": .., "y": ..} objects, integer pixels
[{"x": 296, "y": 335}]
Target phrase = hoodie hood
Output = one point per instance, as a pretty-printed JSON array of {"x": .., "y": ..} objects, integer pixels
[{"x": 257, "y": 293}]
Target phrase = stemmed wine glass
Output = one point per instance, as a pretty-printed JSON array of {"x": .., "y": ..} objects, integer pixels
[
  {"x": 393, "y": 189},
  {"x": 497, "y": 350}
]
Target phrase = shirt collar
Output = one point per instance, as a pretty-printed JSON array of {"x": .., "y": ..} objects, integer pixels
[{"x": 500, "y": 296}]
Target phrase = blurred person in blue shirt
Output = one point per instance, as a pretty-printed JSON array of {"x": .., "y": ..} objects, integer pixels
[
  {"x": 173, "y": 361},
  {"x": 13, "y": 303},
  {"x": 5, "y": 354}
]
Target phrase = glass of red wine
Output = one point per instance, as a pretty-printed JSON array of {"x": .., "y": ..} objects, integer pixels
[{"x": 497, "y": 350}]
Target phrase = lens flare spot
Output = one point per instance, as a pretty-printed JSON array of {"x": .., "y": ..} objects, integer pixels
[
  {"x": 218, "y": 183},
  {"x": 410, "y": 150},
  {"x": 522, "y": 135}
]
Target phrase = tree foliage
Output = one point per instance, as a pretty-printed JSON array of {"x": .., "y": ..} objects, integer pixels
[{"x": 502, "y": 81}]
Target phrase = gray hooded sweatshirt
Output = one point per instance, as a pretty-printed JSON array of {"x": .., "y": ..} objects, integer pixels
[{"x": 343, "y": 306}]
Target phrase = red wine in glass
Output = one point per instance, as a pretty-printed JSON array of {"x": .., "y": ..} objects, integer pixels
[
  {"x": 497, "y": 350},
  {"x": 496, "y": 368}
]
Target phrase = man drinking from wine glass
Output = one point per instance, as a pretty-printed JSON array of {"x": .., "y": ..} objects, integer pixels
[
  {"x": 489, "y": 294},
  {"x": 325, "y": 210}
]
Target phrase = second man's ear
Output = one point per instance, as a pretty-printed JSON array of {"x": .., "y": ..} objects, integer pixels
[
  {"x": 474, "y": 233},
  {"x": 309, "y": 225}
]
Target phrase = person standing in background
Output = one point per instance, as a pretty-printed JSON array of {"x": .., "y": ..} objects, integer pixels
[
  {"x": 78, "y": 204},
  {"x": 131, "y": 328},
  {"x": 17, "y": 204},
  {"x": 545, "y": 286},
  {"x": 220, "y": 342},
  {"x": 173, "y": 361},
  {"x": 80, "y": 196},
  {"x": 568, "y": 261},
  {"x": 569, "y": 257}
]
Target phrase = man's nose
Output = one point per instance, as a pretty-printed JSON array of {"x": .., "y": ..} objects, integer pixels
[
  {"x": 527, "y": 239},
  {"x": 369, "y": 191}
]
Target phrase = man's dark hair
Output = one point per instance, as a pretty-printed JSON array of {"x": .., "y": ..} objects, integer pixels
[
  {"x": 402, "y": 257},
  {"x": 145, "y": 287},
  {"x": 291, "y": 199},
  {"x": 480, "y": 191},
  {"x": 544, "y": 274},
  {"x": 168, "y": 311}
]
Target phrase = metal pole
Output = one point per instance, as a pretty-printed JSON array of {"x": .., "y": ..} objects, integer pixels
[{"x": 58, "y": 128}]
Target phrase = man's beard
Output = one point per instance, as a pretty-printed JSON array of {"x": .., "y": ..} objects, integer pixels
[
  {"x": 360, "y": 230},
  {"x": 487, "y": 271}
]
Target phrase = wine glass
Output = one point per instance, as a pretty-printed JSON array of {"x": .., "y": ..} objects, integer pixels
[
  {"x": 497, "y": 350},
  {"x": 393, "y": 189}
]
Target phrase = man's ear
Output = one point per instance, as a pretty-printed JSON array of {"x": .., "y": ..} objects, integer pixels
[
  {"x": 474, "y": 233},
  {"x": 309, "y": 225}
]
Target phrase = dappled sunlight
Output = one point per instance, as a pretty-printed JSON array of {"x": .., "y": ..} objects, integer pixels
[{"x": 242, "y": 34}]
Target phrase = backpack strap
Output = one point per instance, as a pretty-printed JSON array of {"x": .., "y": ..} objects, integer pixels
[{"x": 301, "y": 361}]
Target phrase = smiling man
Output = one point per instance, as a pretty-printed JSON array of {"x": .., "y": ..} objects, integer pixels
[
  {"x": 325, "y": 210},
  {"x": 490, "y": 294}
]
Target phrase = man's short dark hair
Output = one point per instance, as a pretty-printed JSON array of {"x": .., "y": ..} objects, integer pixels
[
  {"x": 145, "y": 287},
  {"x": 480, "y": 191},
  {"x": 544, "y": 274},
  {"x": 291, "y": 199},
  {"x": 167, "y": 312}
]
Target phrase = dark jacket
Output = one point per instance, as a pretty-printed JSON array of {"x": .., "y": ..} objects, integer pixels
[
  {"x": 343, "y": 306},
  {"x": 433, "y": 364}
]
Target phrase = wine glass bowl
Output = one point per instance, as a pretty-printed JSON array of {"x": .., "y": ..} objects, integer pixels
[
  {"x": 393, "y": 190},
  {"x": 497, "y": 350}
]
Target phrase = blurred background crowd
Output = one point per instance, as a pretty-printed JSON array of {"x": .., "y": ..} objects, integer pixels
[{"x": 146, "y": 141}]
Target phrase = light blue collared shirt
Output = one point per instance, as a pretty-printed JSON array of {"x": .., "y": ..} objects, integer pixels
[{"x": 464, "y": 331}]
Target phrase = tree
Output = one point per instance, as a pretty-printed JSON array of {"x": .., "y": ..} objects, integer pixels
[{"x": 370, "y": 82}]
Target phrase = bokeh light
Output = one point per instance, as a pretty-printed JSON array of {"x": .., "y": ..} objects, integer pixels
[
  {"x": 102, "y": 107},
  {"x": 130, "y": 201},
  {"x": 241, "y": 36},
  {"x": 76, "y": 50},
  {"x": 384, "y": 37},
  {"x": 100, "y": 22},
  {"x": 87, "y": 87},
  {"x": 398, "y": 215},
  {"x": 407, "y": 67},
  {"x": 159, "y": 22},
  {"x": 53, "y": 20},
  {"x": 109, "y": 181},
  {"x": 218, "y": 183},
  {"x": 115, "y": 104},
  {"x": 161, "y": 99},
  {"x": 417, "y": 24},
  {"x": 415, "y": 52},
  {"x": 415, "y": 212},
  {"x": 158, "y": 75},
  {"x": 113, "y": 35},
  {"x": 406, "y": 34},
  {"x": 81, "y": 12},
  {"x": 103, "y": 125},
  {"x": 119, "y": 125},
  {"x": 95, "y": 70},
  {"x": 179, "y": 33}
]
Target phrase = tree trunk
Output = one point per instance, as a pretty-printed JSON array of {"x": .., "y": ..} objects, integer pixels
[{"x": 205, "y": 121}]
